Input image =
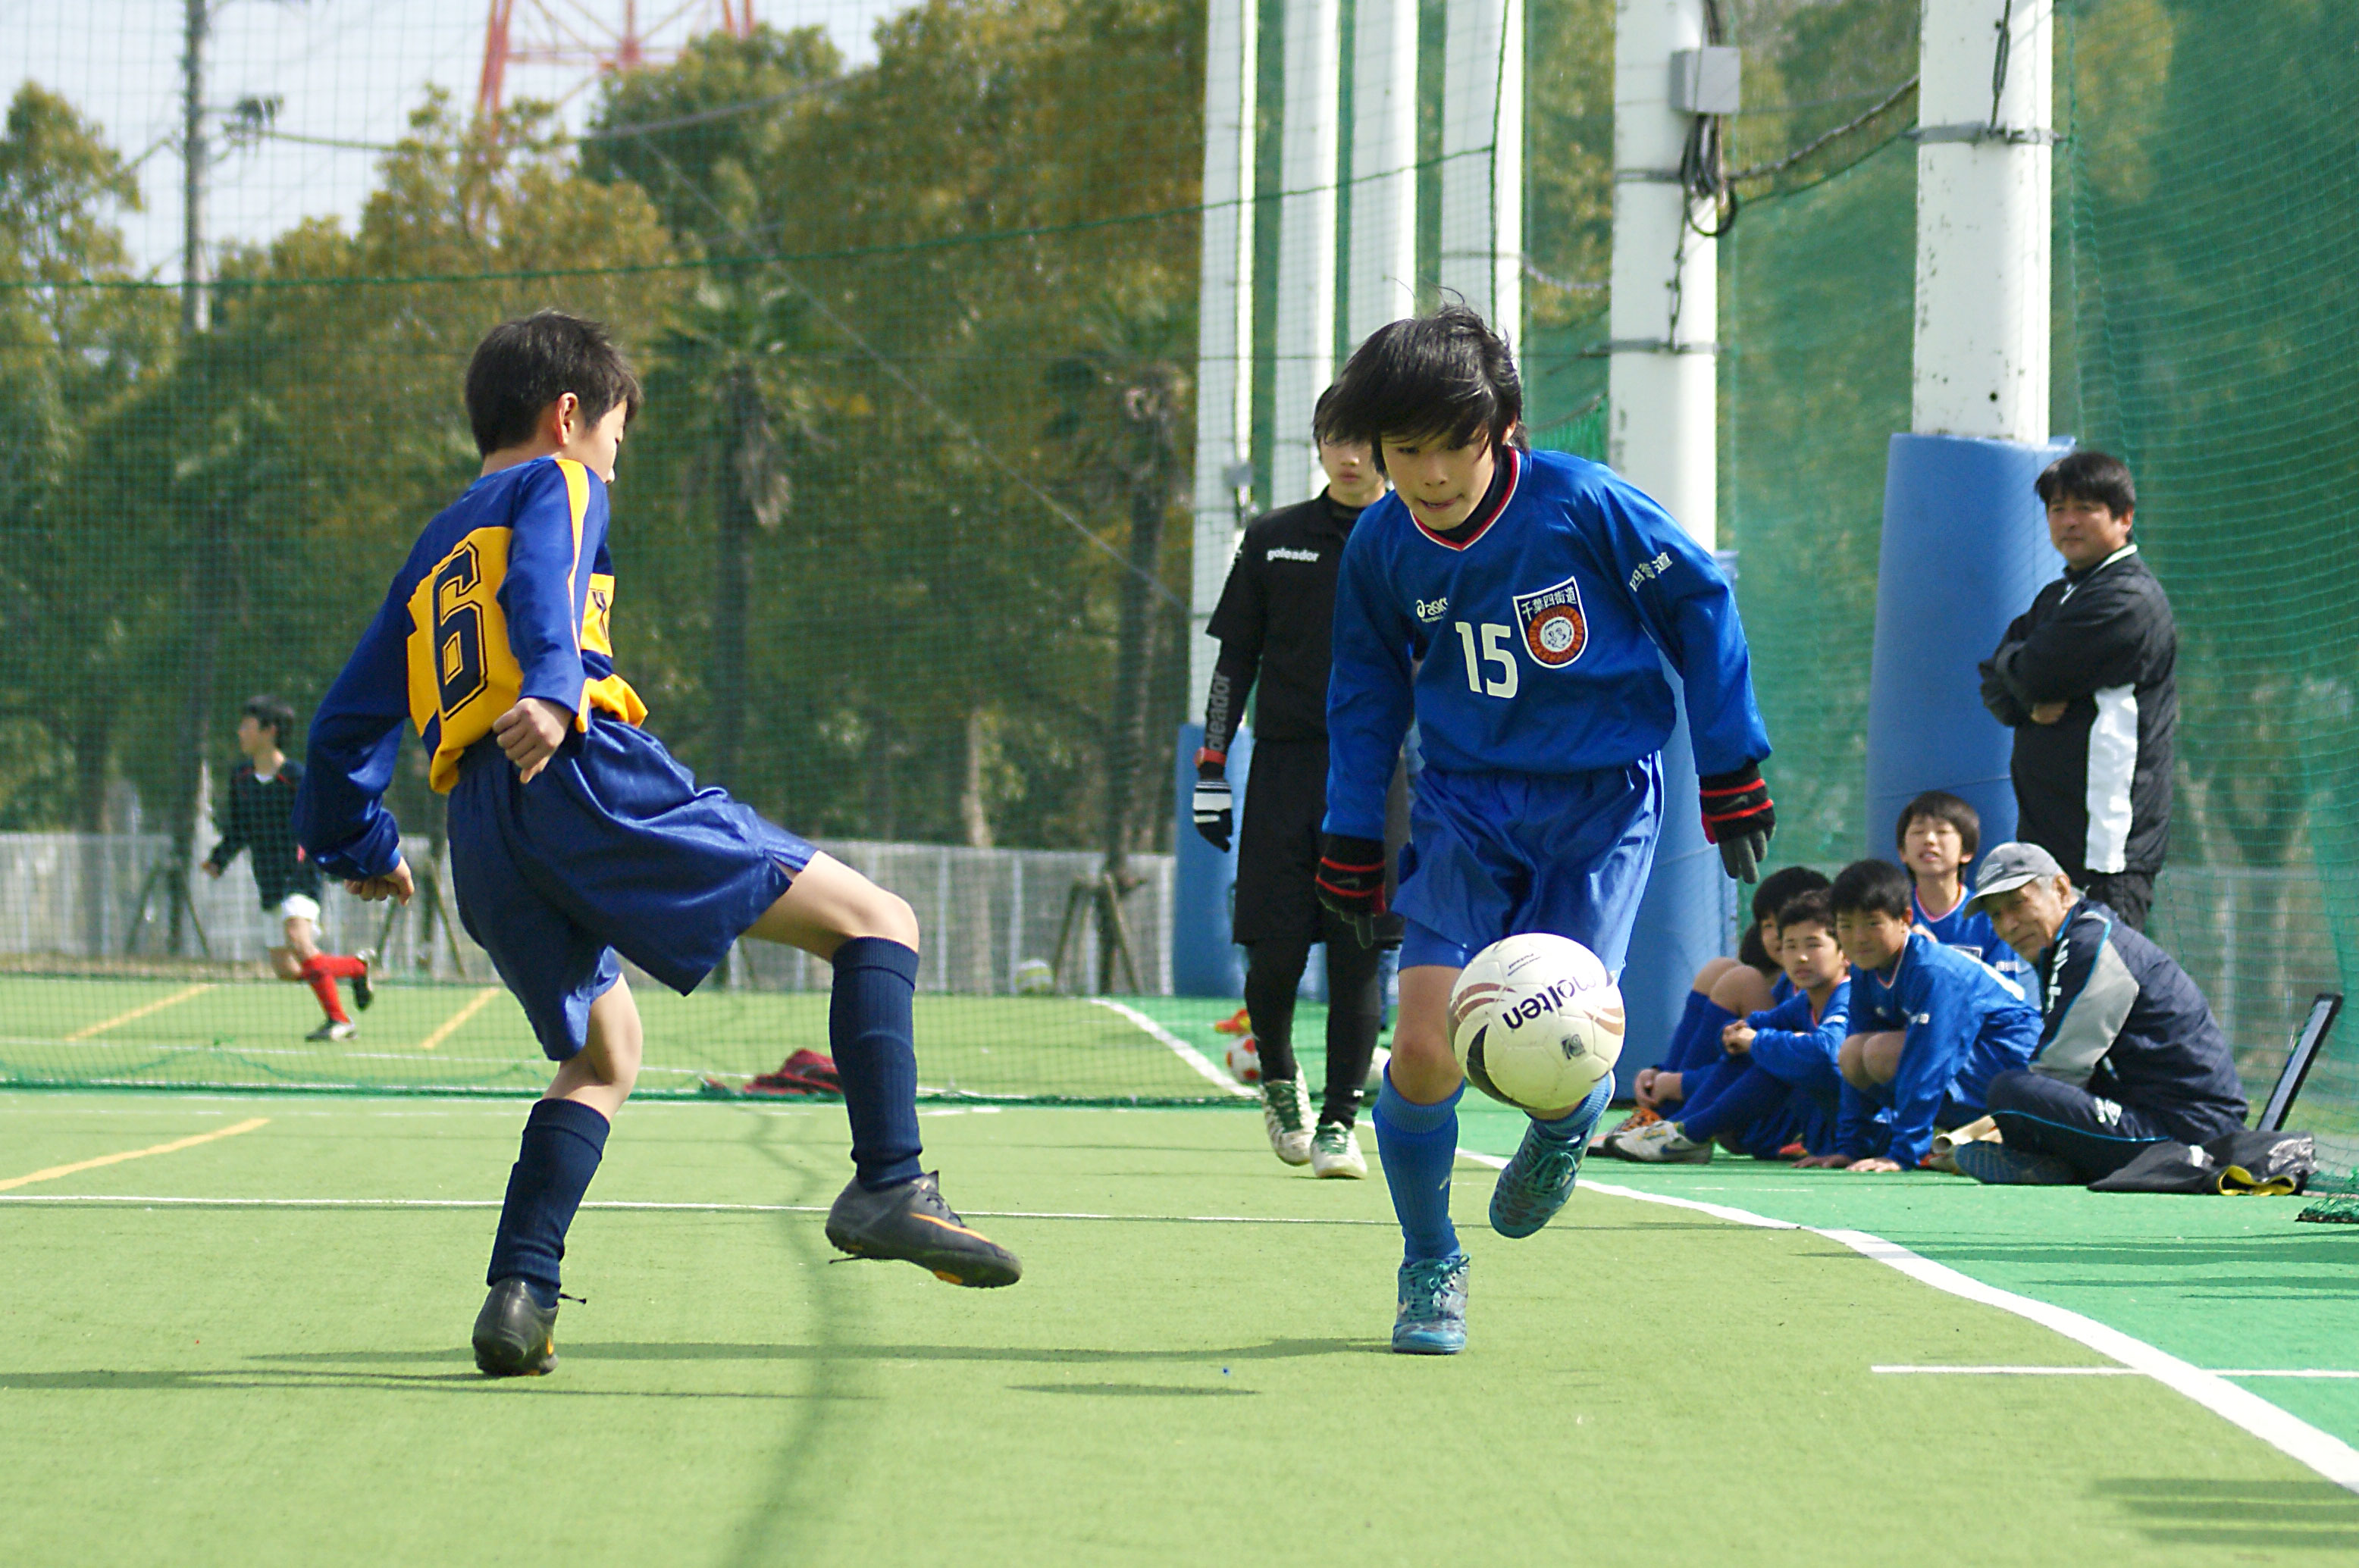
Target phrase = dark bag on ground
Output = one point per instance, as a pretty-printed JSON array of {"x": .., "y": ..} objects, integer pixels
[{"x": 2253, "y": 1164}]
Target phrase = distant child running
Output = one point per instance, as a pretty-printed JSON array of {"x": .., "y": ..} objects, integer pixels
[
  {"x": 262, "y": 818},
  {"x": 574, "y": 834}
]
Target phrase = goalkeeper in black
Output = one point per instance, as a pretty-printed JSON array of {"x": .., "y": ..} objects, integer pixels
[{"x": 1274, "y": 624}]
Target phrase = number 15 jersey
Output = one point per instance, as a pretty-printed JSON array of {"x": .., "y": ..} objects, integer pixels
[
  {"x": 505, "y": 595},
  {"x": 1531, "y": 640}
]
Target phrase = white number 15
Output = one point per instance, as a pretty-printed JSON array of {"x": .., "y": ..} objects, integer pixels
[{"x": 1497, "y": 649}]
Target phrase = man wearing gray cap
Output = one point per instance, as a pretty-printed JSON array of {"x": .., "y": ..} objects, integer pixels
[{"x": 2129, "y": 1052}]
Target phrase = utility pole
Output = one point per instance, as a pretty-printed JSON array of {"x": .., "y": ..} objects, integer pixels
[
  {"x": 1483, "y": 160},
  {"x": 206, "y": 529},
  {"x": 1311, "y": 140},
  {"x": 196, "y": 158}
]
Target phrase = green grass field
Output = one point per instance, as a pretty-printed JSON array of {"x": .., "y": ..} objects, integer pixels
[
  {"x": 195, "y": 1031},
  {"x": 274, "y": 1369}
]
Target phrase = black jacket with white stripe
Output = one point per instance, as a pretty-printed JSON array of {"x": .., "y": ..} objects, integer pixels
[
  {"x": 2124, "y": 1023},
  {"x": 2094, "y": 788}
]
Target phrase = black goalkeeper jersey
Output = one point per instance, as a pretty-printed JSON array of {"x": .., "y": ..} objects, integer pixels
[{"x": 261, "y": 818}]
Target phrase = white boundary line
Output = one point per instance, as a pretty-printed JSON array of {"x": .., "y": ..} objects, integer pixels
[
  {"x": 1178, "y": 1047},
  {"x": 2320, "y": 1372},
  {"x": 2281, "y": 1430},
  {"x": 119, "y": 1201}
]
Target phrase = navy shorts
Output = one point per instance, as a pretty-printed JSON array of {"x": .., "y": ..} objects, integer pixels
[
  {"x": 613, "y": 847},
  {"x": 1491, "y": 855}
]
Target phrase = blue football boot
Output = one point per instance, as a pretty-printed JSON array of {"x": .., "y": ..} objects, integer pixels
[
  {"x": 1431, "y": 1318},
  {"x": 1538, "y": 1180}
]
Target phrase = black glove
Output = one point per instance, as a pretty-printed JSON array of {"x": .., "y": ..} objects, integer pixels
[
  {"x": 1739, "y": 816},
  {"x": 1215, "y": 818},
  {"x": 1352, "y": 882}
]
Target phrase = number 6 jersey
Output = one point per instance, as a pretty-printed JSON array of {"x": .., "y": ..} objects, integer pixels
[
  {"x": 505, "y": 595},
  {"x": 1531, "y": 639}
]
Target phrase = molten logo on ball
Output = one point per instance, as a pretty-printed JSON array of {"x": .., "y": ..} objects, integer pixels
[{"x": 1535, "y": 1021}]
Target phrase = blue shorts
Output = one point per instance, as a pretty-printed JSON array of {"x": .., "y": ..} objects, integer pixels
[
  {"x": 611, "y": 848},
  {"x": 1491, "y": 855}
]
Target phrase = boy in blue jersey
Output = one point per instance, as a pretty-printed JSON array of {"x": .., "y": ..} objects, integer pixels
[
  {"x": 1931, "y": 1027},
  {"x": 573, "y": 833},
  {"x": 1937, "y": 836},
  {"x": 1779, "y": 1075},
  {"x": 1520, "y": 607}
]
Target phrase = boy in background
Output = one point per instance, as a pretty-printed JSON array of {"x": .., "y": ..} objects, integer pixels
[
  {"x": 1778, "y": 1073},
  {"x": 574, "y": 834},
  {"x": 1937, "y": 836},
  {"x": 1929, "y": 1025},
  {"x": 261, "y": 818}
]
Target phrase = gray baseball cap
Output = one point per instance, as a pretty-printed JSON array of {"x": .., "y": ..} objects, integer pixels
[{"x": 2009, "y": 867}]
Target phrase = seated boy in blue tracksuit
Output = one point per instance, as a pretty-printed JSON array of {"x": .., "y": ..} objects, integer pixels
[
  {"x": 1777, "y": 1081},
  {"x": 1931, "y": 1025},
  {"x": 574, "y": 834},
  {"x": 1937, "y": 836}
]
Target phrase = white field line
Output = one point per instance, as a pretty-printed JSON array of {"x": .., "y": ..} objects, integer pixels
[
  {"x": 117, "y": 1201},
  {"x": 2117, "y": 1371},
  {"x": 1178, "y": 1047},
  {"x": 2287, "y": 1433}
]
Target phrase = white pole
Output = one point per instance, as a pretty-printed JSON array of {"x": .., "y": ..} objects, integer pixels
[
  {"x": 1665, "y": 317},
  {"x": 1224, "y": 317},
  {"x": 1482, "y": 159},
  {"x": 1306, "y": 256},
  {"x": 1383, "y": 265},
  {"x": 1982, "y": 172}
]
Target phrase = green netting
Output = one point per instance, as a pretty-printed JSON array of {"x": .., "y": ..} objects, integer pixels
[{"x": 903, "y": 535}]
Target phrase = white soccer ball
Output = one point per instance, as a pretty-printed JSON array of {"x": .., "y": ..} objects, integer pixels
[
  {"x": 1035, "y": 978},
  {"x": 1245, "y": 1061},
  {"x": 1535, "y": 1021}
]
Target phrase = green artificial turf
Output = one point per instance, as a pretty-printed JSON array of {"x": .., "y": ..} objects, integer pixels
[
  {"x": 283, "y": 1384},
  {"x": 248, "y": 1034}
]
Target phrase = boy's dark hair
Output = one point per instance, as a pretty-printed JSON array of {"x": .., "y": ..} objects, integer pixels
[
  {"x": 1942, "y": 806},
  {"x": 273, "y": 715},
  {"x": 1753, "y": 953},
  {"x": 1872, "y": 887},
  {"x": 2100, "y": 477},
  {"x": 1816, "y": 907},
  {"x": 1779, "y": 887},
  {"x": 523, "y": 366},
  {"x": 1443, "y": 377}
]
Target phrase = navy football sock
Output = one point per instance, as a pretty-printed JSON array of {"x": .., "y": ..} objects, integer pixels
[
  {"x": 563, "y": 1141},
  {"x": 875, "y": 1051},
  {"x": 1419, "y": 1143},
  {"x": 1737, "y": 1105}
]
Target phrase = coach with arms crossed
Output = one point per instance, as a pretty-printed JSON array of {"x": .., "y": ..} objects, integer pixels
[
  {"x": 2129, "y": 1054},
  {"x": 2086, "y": 680}
]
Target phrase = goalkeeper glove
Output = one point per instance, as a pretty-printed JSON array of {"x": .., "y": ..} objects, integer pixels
[
  {"x": 1739, "y": 816},
  {"x": 1215, "y": 818},
  {"x": 1352, "y": 882}
]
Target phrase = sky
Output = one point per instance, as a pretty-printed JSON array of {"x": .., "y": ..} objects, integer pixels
[{"x": 347, "y": 70}]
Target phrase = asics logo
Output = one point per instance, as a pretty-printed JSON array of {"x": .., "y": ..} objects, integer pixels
[{"x": 1433, "y": 610}]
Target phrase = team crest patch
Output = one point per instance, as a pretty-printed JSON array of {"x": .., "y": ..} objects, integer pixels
[{"x": 1555, "y": 631}]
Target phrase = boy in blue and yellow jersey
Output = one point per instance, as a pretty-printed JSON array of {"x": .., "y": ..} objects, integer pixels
[
  {"x": 1521, "y": 607},
  {"x": 574, "y": 834}
]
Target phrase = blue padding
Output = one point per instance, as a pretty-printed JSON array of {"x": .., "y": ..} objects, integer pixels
[
  {"x": 1204, "y": 962},
  {"x": 1965, "y": 549},
  {"x": 1683, "y": 919}
]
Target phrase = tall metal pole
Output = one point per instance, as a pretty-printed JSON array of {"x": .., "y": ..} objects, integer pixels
[
  {"x": 1482, "y": 159},
  {"x": 1310, "y": 142},
  {"x": 1983, "y": 163},
  {"x": 1224, "y": 317},
  {"x": 1665, "y": 315},
  {"x": 1382, "y": 269},
  {"x": 196, "y": 312}
]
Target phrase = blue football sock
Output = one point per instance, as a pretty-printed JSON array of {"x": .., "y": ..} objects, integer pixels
[
  {"x": 1583, "y": 1121},
  {"x": 1419, "y": 1143},
  {"x": 875, "y": 1051},
  {"x": 563, "y": 1141},
  {"x": 1676, "y": 1055},
  {"x": 1734, "y": 1105},
  {"x": 1700, "y": 1046}
]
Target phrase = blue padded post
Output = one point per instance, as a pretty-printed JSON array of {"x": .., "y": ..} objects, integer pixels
[
  {"x": 1682, "y": 920},
  {"x": 1965, "y": 549},
  {"x": 1204, "y": 962}
]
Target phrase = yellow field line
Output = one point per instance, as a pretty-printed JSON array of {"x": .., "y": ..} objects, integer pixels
[
  {"x": 139, "y": 1012},
  {"x": 54, "y": 1172},
  {"x": 452, "y": 1024}
]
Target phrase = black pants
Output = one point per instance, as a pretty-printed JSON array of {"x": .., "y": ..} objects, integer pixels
[
  {"x": 2129, "y": 894},
  {"x": 2044, "y": 1116},
  {"x": 1355, "y": 1008}
]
